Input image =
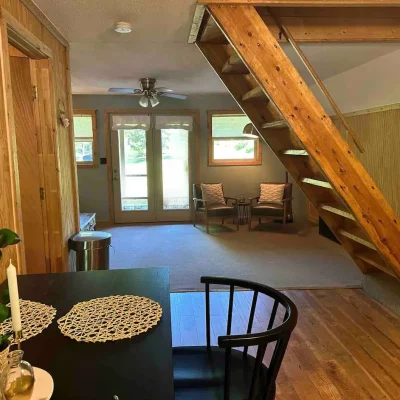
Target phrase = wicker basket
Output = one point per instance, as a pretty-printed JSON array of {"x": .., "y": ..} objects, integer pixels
[
  {"x": 3, "y": 358},
  {"x": 3, "y": 371}
]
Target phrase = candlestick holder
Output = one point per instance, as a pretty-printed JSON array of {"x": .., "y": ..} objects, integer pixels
[
  {"x": 21, "y": 379},
  {"x": 18, "y": 336},
  {"x": 20, "y": 375}
]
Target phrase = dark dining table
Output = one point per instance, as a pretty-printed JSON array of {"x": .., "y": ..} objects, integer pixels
[{"x": 137, "y": 368}]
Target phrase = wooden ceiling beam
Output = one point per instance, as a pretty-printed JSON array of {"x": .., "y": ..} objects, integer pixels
[
  {"x": 314, "y": 25},
  {"x": 196, "y": 23},
  {"x": 338, "y": 29},
  {"x": 307, "y": 3},
  {"x": 332, "y": 12}
]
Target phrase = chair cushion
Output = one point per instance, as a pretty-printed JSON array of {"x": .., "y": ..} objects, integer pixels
[
  {"x": 212, "y": 193},
  {"x": 199, "y": 374},
  {"x": 272, "y": 206},
  {"x": 221, "y": 207},
  {"x": 267, "y": 210},
  {"x": 220, "y": 210},
  {"x": 271, "y": 193}
]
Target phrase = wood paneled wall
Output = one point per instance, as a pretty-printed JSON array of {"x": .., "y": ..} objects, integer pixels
[
  {"x": 29, "y": 166},
  {"x": 64, "y": 164},
  {"x": 379, "y": 133}
]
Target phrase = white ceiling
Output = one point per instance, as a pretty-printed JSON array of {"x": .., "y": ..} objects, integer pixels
[{"x": 157, "y": 46}]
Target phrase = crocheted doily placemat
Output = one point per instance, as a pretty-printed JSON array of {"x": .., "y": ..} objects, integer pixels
[
  {"x": 35, "y": 317},
  {"x": 110, "y": 318}
]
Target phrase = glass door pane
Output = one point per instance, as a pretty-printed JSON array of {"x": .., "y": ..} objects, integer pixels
[
  {"x": 132, "y": 161},
  {"x": 133, "y": 170},
  {"x": 175, "y": 169}
]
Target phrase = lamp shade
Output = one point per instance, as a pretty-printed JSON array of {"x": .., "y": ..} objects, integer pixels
[
  {"x": 154, "y": 100},
  {"x": 249, "y": 131},
  {"x": 144, "y": 101}
]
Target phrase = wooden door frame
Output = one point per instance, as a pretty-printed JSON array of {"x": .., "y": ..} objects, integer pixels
[
  {"x": 195, "y": 114},
  {"x": 14, "y": 33}
]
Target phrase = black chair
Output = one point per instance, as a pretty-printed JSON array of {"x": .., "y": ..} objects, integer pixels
[{"x": 216, "y": 373}]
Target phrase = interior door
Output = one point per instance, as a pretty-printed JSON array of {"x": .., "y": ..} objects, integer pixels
[
  {"x": 151, "y": 168},
  {"x": 29, "y": 164}
]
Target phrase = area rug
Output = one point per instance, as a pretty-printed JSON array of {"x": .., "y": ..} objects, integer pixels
[{"x": 273, "y": 254}]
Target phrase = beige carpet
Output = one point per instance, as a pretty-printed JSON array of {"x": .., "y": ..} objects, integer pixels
[{"x": 273, "y": 254}]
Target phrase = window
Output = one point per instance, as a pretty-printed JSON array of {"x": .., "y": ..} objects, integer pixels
[
  {"x": 85, "y": 138},
  {"x": 227, "y": 144}
]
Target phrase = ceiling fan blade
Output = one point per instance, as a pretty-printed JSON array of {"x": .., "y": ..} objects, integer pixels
[
  {"x": 175, "y": 96},
  {"x": 121, "y": 90},
  {"x": 162, "y": 89}
]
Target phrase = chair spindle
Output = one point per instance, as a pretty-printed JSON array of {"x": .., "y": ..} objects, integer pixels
[
  {"x": 227, "y": 381},
  {"x": 208, "y": 328},
  {"x": 275, "y": 365},
  {"x": 273, "y": 315},
  {"x": 256, "y": 371},
  {"x": 251, "y": 318},
  {"x": 230, "y": 310}
]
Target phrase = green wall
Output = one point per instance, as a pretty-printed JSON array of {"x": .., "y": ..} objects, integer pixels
[{"x": 241, "y": 180}]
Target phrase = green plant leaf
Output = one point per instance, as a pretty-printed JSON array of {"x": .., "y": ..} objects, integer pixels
[
  {"x": 4, "y": 312},
  {"x": 4, "y": 342},
  {"x": 8, "y": 238},
  {"x": 5, "y": 297}
]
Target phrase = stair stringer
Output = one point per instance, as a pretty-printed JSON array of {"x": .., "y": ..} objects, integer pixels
[{"x": 306, "y": 118}]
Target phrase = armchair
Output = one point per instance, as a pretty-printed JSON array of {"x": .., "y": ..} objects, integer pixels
[
  {"x": 207, "y": 209},
  {"x": 273, "y": 209}
]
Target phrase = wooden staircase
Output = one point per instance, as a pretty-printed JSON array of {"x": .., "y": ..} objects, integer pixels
[{"x": 249, "y": 60}]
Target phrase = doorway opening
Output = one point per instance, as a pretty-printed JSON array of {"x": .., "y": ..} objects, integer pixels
[{"x": 33, "y": 116}]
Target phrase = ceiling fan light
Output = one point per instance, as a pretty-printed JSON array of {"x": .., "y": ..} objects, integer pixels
[
  {"x": 123, "y": 27},
  {"x": 249, "y": 131},
  {"x": 154, "y": 101},
  {"x": 144, "y": 101}
]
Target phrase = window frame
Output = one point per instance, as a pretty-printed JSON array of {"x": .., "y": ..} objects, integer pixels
[
  {"x": 257, "y": 160},
  {"x": 93, "y": 139}
]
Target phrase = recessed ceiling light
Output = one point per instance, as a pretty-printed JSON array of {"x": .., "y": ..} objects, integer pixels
[{"x": 123, "y": 27}]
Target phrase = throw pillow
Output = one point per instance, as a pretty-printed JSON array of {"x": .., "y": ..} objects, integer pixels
[
  {"x": 212, "y": 193},
  {"x": 271, "y": 193}
]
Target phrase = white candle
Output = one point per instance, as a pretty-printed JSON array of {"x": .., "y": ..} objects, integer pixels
[{"x": 14, "y": 297}]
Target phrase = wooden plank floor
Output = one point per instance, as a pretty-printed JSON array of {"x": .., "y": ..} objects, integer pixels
[{"x": 345, "y": 346}]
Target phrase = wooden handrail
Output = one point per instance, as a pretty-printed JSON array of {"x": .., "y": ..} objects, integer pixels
[{"x": 285, "y": 31}]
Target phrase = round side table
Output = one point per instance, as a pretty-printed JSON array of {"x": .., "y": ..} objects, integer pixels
[{"x": 243, "y": 212}]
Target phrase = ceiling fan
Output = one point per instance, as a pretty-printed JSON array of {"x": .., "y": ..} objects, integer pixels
[{"x": 149, "y": 92}]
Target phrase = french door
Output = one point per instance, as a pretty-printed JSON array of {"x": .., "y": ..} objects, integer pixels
[{"x": 151, "y": 164}]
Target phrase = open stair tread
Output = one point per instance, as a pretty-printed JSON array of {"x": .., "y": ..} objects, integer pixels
[
  {"x": 357, "y": 235},
  {"x": 374, "y": 258},
  {"x": 316, "y": 182},
  {"x": 338, "y": 209},
  {"x": 255, "y": 94},
  {"x": 234, "y": 65},
  {"x": 275, "y": 125},
  {"x": 294, "y": 152}
]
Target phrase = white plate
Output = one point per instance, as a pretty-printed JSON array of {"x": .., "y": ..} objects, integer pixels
[{"x": 42, "y": 388}]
